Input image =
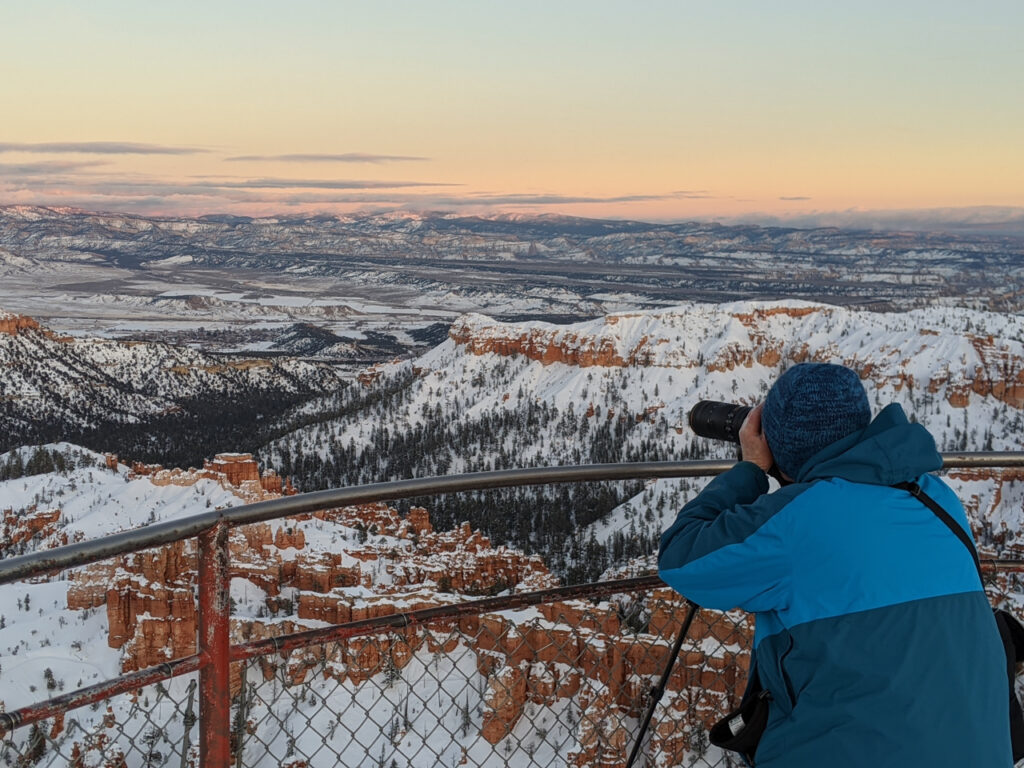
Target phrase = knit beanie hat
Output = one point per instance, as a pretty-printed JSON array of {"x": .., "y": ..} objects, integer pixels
[{"x": 812, "y": 405}]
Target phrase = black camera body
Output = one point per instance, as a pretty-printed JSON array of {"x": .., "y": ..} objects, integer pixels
[{"x": 719, "y": 421}]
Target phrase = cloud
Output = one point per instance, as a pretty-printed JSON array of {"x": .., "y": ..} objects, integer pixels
[
  {"x": 95, "y": 185},
  {"x": 275, "y": 183},
  {"x": 98, "y": 148},
  {"x": 983, "y": 219},
  {"x": 346, "y": 157},
  {"x": 167, "y": 197},
  {"x": 793, "y": 197},
  {"x": 47, "y": 167},
  {"x": 549, "y": 199},
  {"x": 60, "y": 183},
  {"x": 692, "y": 194}
]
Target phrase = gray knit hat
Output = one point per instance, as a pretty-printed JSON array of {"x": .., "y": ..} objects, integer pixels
[{"x": 812, "y": 405}]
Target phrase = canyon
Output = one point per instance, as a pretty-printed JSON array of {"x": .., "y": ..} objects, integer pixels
[{"x": 335, "y": 566}]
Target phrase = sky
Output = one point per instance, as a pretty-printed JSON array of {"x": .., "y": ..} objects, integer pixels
[{"x": 794, "y": 110}]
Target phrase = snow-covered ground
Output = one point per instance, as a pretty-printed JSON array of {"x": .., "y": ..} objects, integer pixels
[
  {"x": 427, "y": 711},
  {"x": 955, "y": 370},
  {"x": 498, "y": 394}
]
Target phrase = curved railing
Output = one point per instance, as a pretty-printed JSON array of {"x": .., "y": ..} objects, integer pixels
[
  {"x": 215, "y": 652},
  {"x": 85, "y": 552}
]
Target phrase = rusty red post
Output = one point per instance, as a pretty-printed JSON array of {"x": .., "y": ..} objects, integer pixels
[{"x": 214, "y": 648}]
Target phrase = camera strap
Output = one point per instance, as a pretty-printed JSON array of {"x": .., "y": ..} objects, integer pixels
[
  {"x": 1011, "y": 632},
  {"x": 915, "y": 490}
]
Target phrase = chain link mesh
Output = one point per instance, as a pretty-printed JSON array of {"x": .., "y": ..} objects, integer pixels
[
  {"x": 563, "y": 684},
  {"x": 559, "y": 684},
  {"x": 150, "y": 727}
]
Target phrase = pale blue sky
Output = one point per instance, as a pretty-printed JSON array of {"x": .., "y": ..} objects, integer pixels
[{"x": 870, "y": 105}]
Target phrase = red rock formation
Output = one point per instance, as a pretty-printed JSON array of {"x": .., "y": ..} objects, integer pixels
[
  {"x": 549, "y": 346},
  {"x": 151, "y": 607},
  {"x": 583, "y": 646},
  {"x": 419, "y": 520},
  {"x": 992, "y": 538},
  {"x": 33, "y": 523},
  {"x": 236, "y": 467},
  {"x": 565, "y": 649},
  {"x": 149, "y": 596},
  {"x": 89, "y": 587},
  {"x": 289, "y": 537},
  {"x": 235, "y": 472},
  {"x": 15, "y": 324},
  {"x": 369, "y": 375},
  {"x": 273, "y": 483},
  {"x": 504, "y": 700},
  {"x": 1000, "y": 374},
  {"x": 752, "y": 319}
]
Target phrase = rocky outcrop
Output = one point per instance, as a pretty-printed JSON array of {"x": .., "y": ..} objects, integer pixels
[
  {"x": 238, "y": 468},
  {"x": 756, "y": 317},
  {"x": 18, "y": 528},
  {"x": 771, "y": 337},
  {"x": 983, "y": 491},
  {"x": 235, "y": 472},
  {"x": 355, "y": 563},
  {"x": 587, "y": 656},
  {"x": 1000, "y": 374},
  {"x": 383, "y": 563},
  {"x": 151, "y": 607},
  {"x": 14, "y": 324},
  {"x": 149, "y": 596},
  {"x": 552, "y": 345}
]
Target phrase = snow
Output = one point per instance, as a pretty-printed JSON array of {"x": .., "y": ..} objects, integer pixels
[
  {"x": 35, "y": 639},
  {"x": 171, "y": 261},
  {"x": 910, "y": 354},
  {"x": 941, "y": 345}
]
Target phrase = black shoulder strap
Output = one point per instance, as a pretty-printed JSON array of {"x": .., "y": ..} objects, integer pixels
[{"x": 944, "y": 516}]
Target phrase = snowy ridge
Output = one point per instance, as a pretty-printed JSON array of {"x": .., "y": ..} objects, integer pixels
[
  {"x": 927, "y": 345},
  {"x": 502, "y": 395},
  {"x": 48, "y": 380}
]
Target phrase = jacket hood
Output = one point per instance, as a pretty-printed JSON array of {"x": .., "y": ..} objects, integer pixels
[{"x": 888, "y": 450}]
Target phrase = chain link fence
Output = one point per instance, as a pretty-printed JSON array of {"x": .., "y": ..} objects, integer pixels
[
  {"x": 557, "y": 684},
  {"x": 156, "y": 725},
  {"x": 549, "y": 681}
]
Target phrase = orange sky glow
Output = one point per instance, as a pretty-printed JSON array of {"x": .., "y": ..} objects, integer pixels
[{"x": 656, "y": 110}]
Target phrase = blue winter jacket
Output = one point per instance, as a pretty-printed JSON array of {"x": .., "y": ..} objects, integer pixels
[{"x": 873, "y": 633}]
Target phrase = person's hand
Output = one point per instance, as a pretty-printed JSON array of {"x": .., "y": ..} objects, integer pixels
[{"x": 752, "y": 443}]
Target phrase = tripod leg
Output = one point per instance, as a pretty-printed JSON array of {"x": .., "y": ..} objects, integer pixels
[{"x": 658, "y": 690}]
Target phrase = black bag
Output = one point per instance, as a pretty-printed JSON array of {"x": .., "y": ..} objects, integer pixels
[
  {"x": 1010, "y": 630},
  {"x": 1012, "y": 633},
  {"x": 740, "y": 730}
]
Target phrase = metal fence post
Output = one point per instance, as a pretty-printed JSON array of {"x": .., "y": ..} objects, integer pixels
[{"x": 214, "y": 648}]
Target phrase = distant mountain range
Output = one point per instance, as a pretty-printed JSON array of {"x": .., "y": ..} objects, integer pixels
[{"x": 530, "y": 256}]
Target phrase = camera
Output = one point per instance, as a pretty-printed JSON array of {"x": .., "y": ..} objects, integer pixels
[{"x": 719, "y": 421}]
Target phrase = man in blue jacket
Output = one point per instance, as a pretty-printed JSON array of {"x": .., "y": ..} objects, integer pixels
[{"x": 873, "y": 633}]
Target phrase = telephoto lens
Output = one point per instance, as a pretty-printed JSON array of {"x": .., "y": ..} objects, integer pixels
[{"x": 719, "y": 421}]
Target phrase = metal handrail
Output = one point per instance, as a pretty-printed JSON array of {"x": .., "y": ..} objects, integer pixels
[
  {"x": 215, "y": 652},
  {"x": 125, "y": 542}
]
